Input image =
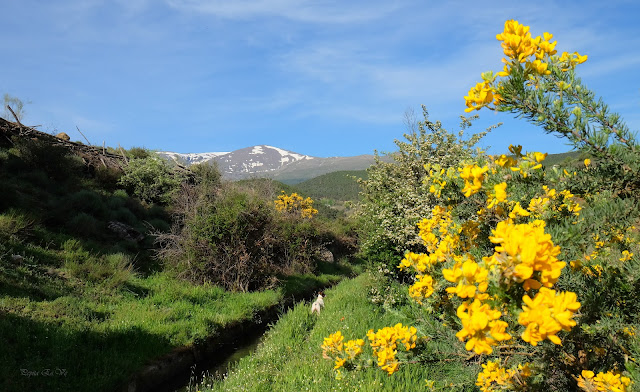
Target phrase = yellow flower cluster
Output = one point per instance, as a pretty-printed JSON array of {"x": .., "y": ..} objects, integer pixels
[
  {"x": 547, "y": 314},
  {"x": 295, "y": 203},
  {"x": 422, "y": 288},
  {"x": 525, "y": 254},
  {"x": 470, "y": 277},
  {"x": 438, "y": 177},
  {"x": 626, "y": 255},
  {"x": 333, "y": 347},
  {"x": 520, "y": 48},
  {"x": 498, "y": 196},
  {"x": 481, "y": 325},
  {"x": 481, "y": 95},
  {"x": 605, "y": 382},
  {"x": 473, "y": 176},
  {"x": 494, "y": 377},
  {"x": 570, "y": 60},
  {"x": 385, "y": 344},
  {"x": 440, "y": 234}
]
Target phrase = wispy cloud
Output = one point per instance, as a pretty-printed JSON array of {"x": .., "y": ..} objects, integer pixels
[{"x": 298, "y": 10}]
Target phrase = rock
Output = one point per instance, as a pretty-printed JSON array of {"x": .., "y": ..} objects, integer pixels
[
  {"x": 325, "y": 255},
  {"x": 63, "y": 136},
  {"x": 125, "y": 231},
  {"x": 17, "y": 258}
]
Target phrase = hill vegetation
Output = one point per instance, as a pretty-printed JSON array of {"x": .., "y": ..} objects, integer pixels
[
  {"x": 338, "y": 186},
  {"x": 85, "y": 288}
]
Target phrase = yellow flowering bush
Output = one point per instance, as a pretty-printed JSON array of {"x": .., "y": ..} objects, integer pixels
[
  {"x": 384, "y": 343},
  {"x": 295, "y": 203},
  {"x": 604, "y": 382},
  {"x": 493, "y": 377},
  {"x": 491, "y": 263},
  {"x": 547, "y": 314}
]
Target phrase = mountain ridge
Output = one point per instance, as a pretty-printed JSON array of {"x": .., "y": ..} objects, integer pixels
[{"x": 270, "y": 162}]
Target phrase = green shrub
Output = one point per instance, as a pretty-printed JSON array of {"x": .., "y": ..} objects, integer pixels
[
  {"x": 150, "y": 179},
  {"x": 394, "y": 196},
  {"x": 85, "y": 225},
  {"x": 232, "y": 235},
  {"x": 123, "y": 215},
  {"x": 15, "y": 225},
  {"x": 88, "y": 201},
  {"x": 107, "y": 177},
  {"x": 56, "y": 161},
  {"x": 110, "y": 270}
]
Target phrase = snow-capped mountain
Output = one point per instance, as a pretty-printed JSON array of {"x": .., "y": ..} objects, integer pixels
[
  {"x": 191, "y": 158},
  {"x": 245, "y": 162}
]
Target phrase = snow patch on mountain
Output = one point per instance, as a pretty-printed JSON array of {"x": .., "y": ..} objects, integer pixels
[{"x": 244, "y": 162}]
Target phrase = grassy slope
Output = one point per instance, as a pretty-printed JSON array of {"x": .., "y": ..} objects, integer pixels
[
  {"x": 290, "y": 358},
  {"x": 84, "y": 304}
]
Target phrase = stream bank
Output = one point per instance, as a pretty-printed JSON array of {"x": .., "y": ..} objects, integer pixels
[{"x": 174, "y": 370}]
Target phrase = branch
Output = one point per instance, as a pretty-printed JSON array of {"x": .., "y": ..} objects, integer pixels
[
  {"x": 85, "y": 138},
  {"x": 16, "y": 117}
]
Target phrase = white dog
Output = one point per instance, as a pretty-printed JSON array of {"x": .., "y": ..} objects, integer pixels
[{"x": 318, "y": 304}]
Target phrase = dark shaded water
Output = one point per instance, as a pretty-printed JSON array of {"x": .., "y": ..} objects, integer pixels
[{"x": 241, "y": 348}]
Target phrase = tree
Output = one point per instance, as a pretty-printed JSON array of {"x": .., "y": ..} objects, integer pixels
[{"x": 16, "y": 105}]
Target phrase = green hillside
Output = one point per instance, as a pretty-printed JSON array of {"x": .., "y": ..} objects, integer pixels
[{"x": 340, "y": 185}]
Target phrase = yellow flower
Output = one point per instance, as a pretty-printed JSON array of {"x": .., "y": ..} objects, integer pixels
[
  {"x": 540, "y": 156},
  {"x": 505, "y": 161},
  {"x": 481, "y": 325},
  {"x": 547, "y": 314},
  {"x": 467, "y": 275},
  {"x": 339, "y": 362},
  {"x": 517, "y": 42},
  {"x": 587, "y": 162},
  {"x": 430, "y": 384},
  {"x": 493, "y": 377},
  {"x": 353, "y": 348},
  {"x": 294, "y": 203},
  {"x": 332, "y": 344},
  {"x": 538, "y": 67},
  {"x": 499, "y": 195},
  {"x": 604, "y": 382},
  {"x": 420, "y": 262},
  {"x": 516, "y": 150},
  {"x": 546, "y": 47},
  {"x": 626, "y": 255},
  {"x": 481, "y": 95},
  {"x": 518, "y": 211},
  {"x": 571, "y": 60},
  {"x": 473, "y": 176},
  {"x": 523, "y": 250},
  {"x": 385, "y": 341},
  {"x": 422, "y": 288}
]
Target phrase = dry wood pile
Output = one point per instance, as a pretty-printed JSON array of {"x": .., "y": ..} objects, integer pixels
[{"x": 91, "y": 155}]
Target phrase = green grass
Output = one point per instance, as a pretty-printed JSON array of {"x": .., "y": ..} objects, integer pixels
[
  {"x": 87, "y": 305},
  {"x": 290, "y": 358},
  {"x": 101, "y": 331}
]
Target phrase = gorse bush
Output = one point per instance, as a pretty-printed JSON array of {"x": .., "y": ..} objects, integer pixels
[
  {"x": 295, "y": 204},
  {"x": 394, "y": 197},
  {"x": 540, "y": 284}
]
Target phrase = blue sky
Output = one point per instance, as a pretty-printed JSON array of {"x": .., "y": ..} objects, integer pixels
[{"x": 323, "y": 78}]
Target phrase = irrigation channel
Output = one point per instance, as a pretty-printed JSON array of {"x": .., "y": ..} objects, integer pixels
[{"x": 184, "y": 365}]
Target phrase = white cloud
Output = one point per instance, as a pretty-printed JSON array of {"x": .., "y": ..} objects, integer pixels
[{"x": 297, "y": 10}]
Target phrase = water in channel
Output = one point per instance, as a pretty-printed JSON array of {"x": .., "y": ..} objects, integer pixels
[{"x": 218, "y": 369}]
